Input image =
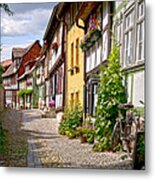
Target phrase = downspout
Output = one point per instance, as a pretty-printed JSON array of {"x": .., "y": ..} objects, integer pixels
[{"x": 84, "y": 87}]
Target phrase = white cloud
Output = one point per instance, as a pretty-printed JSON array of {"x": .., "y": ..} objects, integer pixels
[
  {"x": 30, "y": 22},
  {"x": 7, "y": 49}
]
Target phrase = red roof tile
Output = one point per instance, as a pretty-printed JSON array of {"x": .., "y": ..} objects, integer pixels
[{"x": 6, "y": 63}]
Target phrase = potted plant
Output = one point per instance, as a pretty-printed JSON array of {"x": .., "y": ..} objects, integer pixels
[
  {"x": 82, "y": 134},
  {"x": 95, "y": 34},
  {"x": 90, "y": 136},
  {"x": 83, "y": 45}
]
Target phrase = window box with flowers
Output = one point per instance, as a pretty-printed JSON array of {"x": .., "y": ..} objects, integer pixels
[
  {"x": 91, "y": 37},
  {"x": 93, "y": 34},
  {"x": 29, "y": 83}
]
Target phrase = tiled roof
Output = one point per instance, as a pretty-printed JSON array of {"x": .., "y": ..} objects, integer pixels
[
  {"x": 9, "y": 71},
  {"x": 6, "y": 63},
  {"x": 18, "y": 52}
]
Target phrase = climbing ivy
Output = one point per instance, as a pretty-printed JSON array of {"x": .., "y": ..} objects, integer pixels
[{"x": 111, "y": 93}]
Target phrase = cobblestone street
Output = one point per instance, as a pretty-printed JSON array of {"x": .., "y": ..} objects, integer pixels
[{"x": 46, "y": 148}]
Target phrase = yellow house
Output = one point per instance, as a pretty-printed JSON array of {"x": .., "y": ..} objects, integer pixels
[{"x": 74, "y": 58}]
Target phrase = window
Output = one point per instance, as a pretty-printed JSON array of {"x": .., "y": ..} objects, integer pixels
[
  {"x": 92, "y": 98},
  {"x": 72, "y": 99},
  {"x": 77, "y": 52},
  {"x": 95, "y": 98},
  {"x": 128, "y": 39},
  {"x": 140, "y": 32},
  {"x": 141, "y": 10},
  {"x": 77, "y": 97},
  {"x": 72, "y": 55}
]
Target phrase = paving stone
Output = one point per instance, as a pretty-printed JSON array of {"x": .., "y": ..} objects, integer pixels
[{"x": 49, "y": 149}]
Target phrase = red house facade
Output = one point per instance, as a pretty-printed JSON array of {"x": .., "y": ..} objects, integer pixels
[{"x": 20, "y": 56}]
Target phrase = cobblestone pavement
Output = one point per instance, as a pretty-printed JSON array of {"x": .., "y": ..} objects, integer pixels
[
  {"x": 46, "y": 148},
  {"x": 13, "y": 141}
]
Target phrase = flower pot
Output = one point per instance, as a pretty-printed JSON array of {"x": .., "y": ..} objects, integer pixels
[
  {"x": 91, "y": 142},
  {"x": 82, "y": 138}
]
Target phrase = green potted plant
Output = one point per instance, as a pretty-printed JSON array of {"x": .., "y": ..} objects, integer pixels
[
  {"x": 82, "y": 134},
  {"x": 95, "y": 34},
  {"x": 83, "y": 46},
  {"x": 90, "y": 136}
]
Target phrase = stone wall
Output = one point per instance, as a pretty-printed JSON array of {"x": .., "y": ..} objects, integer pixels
[{"x": 1, "y": 97}]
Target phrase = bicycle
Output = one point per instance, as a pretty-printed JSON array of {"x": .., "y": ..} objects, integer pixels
[{"x": 122, "y": 131}]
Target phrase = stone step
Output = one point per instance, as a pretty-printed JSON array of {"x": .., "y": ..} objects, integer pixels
[{"x": 49, "y": 114}]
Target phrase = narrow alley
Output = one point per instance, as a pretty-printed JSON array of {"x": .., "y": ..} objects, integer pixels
[{"x": 46, "y": 148}]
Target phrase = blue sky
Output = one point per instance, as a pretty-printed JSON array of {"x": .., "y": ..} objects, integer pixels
[{"x": 27, "y": 24}]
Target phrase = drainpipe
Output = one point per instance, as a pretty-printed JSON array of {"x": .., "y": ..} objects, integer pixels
[{"x": 84, "y": 87}]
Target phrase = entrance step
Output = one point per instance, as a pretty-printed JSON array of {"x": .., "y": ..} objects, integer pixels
[{"x": 49, "y": 114}]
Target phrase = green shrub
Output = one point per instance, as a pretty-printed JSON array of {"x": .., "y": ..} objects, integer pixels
[
  {"x": 1, "y": 72},
  {"x": 24, "y": 92},
  {"x": 111, "y": 93},
  {"x": 72, "y": 120}
]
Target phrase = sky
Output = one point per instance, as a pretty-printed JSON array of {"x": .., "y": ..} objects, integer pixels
[{"x": 27, "y": 24}]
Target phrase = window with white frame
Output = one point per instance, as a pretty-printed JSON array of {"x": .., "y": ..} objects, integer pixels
[
  {"x": 140, "y": 32},
  {"x": 128, "y": 38}
]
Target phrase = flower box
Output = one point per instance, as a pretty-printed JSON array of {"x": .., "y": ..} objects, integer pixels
[
  {"x": 28, "y": 83},
  {"x": 90, "y": 38}
]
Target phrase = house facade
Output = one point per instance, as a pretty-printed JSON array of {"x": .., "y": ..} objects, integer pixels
[
  {"x": 20, "y": 56},
  {"x": 96, "y": 46},
  {"x": 75, "y": 56},
  {"x": 129, "y": 27},
  {"x": 10, "y": 77},
  {"x": 40, "y": 82},
  {"x": 25, "y": 82},
  {"x": 54, "y": 39}
]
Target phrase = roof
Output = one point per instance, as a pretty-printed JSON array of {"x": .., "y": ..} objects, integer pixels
[
  {"x": 51, "y": 20},
  {"x": 6, "y": 63},
  {"x": 38, "y": 60},
  {"x": 9, "y": 71},
  {"x": 18, "y": 52}
]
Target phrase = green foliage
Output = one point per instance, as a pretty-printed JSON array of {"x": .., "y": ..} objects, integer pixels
[
  {"x": 141, "y": 148},
  {"x": 35, "y": 90},
  {"x": 88, "y": 132},
  {"x": 6, "y": 9},
  {"x": 24, "y": 92},
  {"x": 111, "y": 93},
  {"x": 90, "y": 135},
  {"x": 140, "y": 111},
  {"x": 1, "y": 72},
  {"x": 72, "y": 120}
]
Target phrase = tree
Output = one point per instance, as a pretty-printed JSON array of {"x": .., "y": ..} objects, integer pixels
[
  {"x": 1, "y": 72},
  {"x": 6, "y": 8},
  {"x": 111, "y": 93},
  {"x": 9, "y": 12}
]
